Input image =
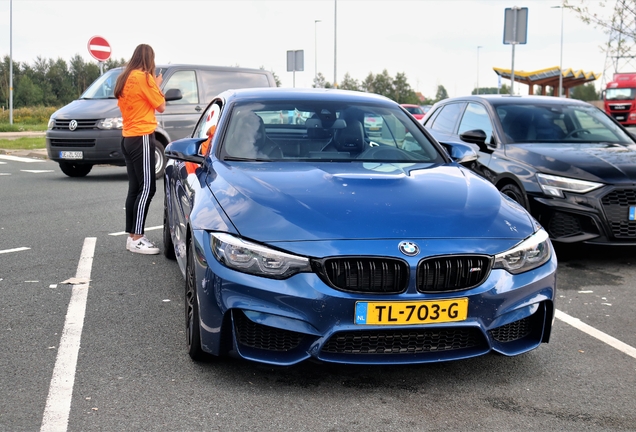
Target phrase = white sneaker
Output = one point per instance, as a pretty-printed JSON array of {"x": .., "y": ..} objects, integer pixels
[
  {"x": 128, "y": 242},
  {"x": 143, "y": 246}
]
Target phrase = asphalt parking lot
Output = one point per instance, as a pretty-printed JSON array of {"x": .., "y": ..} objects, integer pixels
[{"x": 132, "y": 371}]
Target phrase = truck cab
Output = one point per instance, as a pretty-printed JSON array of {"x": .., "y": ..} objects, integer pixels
[{"x": 619, "y": 98}]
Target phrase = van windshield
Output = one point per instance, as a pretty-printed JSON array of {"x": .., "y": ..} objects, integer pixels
[{"x": 103, "y": 87}]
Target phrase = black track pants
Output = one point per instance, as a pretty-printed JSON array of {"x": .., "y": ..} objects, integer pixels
[{"x": 139, "y": 153}]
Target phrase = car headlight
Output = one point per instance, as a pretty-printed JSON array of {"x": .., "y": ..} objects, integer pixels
[
  {"x": 258, "y": 260},
  {"x": 555, "y": 186},
  {"x": 111, "y": 123},
  {"x": 51, "y": 124},
  {"x": 527, "y": 255}
]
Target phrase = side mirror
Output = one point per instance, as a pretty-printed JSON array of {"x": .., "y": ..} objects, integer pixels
[
  {"x": 476, "y": 136},
  {"x": 173, "y": 95},
  {"x": 460, "y": 153},
  {"x": 186, "y": 149}
]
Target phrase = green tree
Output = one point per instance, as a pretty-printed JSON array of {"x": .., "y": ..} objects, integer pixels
[
  {"x": 585, "y": 92},
  {"x": 383, "y": 84},
  {"x": 349, "y": 83},
  {"x": 492, "y": 90},
  {"x": 403, "y": 93},
  {"x": 27, "y": 94},
  {"x": 367, "y": 84},
  {"x": 321, "y": 82},
  {"x": 441, "y": 93}
]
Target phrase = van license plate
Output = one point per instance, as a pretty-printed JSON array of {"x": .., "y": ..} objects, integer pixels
[{"x": 71, "y": 155}]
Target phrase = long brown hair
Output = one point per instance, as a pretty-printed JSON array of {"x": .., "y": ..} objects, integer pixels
[{"x": 143, "y": 59}]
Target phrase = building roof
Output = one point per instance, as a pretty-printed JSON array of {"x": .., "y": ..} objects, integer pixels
[{"x": 550, "y": 77}]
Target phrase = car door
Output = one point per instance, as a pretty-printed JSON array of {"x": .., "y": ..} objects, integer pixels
[{"x": 180, "y": 116}]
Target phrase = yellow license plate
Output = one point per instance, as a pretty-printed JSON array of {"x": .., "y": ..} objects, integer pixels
[{"x": 404, "y": 313}]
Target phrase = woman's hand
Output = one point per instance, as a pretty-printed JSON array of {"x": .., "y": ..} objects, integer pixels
[{"x": 159, "y": 80}]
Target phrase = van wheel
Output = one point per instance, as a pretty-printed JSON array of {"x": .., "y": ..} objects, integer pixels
[
  {"x": 73, "y": 169},
  {"x": 160, "y": 160}
]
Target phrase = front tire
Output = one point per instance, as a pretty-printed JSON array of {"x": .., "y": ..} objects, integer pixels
[
  {"x": 73, "y": 169},
  {"x": 193, "y": 329},
  {"x": 514, "y": 192}
]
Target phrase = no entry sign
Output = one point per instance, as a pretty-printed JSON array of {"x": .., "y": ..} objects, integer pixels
[{"x": 99, "y": 48}]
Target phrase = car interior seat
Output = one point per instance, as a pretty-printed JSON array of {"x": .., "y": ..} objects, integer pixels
[
  {"x": 517, "y": 126},
  {"x": 543, "y": 128},
  {"x": 264, "y": 145},
  {"x": 350, "y": 138}
]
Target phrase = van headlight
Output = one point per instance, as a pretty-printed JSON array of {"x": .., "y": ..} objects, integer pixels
[
  {"x": 51, "y": 124},
  {"x": 527, "y": 255},
  {"x": 247, "y": 257},
  {"x": 111, "y": 123}
]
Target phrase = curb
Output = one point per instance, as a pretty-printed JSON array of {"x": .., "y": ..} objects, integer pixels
[{"x": 36, "y": 154}]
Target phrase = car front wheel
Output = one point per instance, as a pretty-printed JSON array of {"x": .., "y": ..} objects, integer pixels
[
  {"x": 193, "y": 329},
  {"x": 513, "y": 191},
  {"x": 73, "y": 169}
]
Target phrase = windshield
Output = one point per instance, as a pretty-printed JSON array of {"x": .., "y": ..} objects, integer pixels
[
  {"x": 620, "y": 94},
  {"x": 540, "y": 123},
  {"x": 325, "y": 130},
  {"x": 103, "y": 87}
]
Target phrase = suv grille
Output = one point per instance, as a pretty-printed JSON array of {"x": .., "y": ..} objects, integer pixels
[
  {"x": 616, "y": 206},
  {"x": 81, "y": 124},
  {"x": 365, "y": 275},
  {"x": 403, "y": 341},
  {"x": 452, "y": 273}
]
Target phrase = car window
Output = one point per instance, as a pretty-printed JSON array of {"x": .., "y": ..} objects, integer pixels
[
  {"x": 209, "y": 119},
  {"x": 476, "y": 117},
  {"x": 544, "y": 122},
  {"x": 327, "y": 131},
  {"x": 216, "y": 82},
  {"x": 103, "y": 87},
  {"x": 186, "y": 81},
  {"x": 447, "y": 118}
]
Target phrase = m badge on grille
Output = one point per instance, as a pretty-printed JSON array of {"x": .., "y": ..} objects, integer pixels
[{"x": 409, "y": 248}]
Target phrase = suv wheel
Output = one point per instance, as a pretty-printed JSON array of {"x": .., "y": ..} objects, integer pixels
[{"x": 73, "y": 169}]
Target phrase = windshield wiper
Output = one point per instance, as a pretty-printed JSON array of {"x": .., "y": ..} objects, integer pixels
[{"x": 240, "y": 159}]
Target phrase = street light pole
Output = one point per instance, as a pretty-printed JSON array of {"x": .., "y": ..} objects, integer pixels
[
  {"x": 335, "y": 41},
  {"x": 479, "y": 46},
  {"x": 316, "y": 49},
  {"x": 561, "y": 55},
  {"x": 11, "y": 62}
]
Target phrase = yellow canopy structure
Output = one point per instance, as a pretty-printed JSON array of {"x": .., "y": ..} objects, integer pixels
[{"x": 550, "y": 78}]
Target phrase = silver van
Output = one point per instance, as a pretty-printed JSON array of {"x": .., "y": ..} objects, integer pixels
[{"x": 87, "y": 131}]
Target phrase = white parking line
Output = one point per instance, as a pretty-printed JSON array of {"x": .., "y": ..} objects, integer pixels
[
  {"x": 603, "y": 337},
  {"x": 20, "y": 249},
  {"x": 121, "y": 233},
  {"x": 58, "y": 402},
  {"x": 20, "y": 159},
  {"x": 37, "y": 171}
]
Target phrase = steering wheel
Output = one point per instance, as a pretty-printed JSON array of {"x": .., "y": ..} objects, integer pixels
[
  {"x": 576, "y": 131},
  {"x": 384, "y": 152}
]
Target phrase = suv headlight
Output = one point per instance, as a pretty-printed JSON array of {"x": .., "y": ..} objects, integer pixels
[
  {"x": 51, "y": 124},
  {"x": 555, "y": 186},
  {"x": 111, "y": 123},
  {"x": 255, "y": 259},
  {"x": 527, "y": 255}
]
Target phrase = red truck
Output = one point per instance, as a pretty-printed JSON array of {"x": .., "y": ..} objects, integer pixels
[{"x": 619, "y": 98}]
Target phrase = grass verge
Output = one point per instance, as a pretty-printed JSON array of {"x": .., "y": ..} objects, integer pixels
[{"x": 25, "y": 143}]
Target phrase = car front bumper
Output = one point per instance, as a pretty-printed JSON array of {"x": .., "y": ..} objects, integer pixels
[{"x": 283, "y": 322}]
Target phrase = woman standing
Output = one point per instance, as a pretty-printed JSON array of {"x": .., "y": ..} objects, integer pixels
[{"x": 138, "y": 96}]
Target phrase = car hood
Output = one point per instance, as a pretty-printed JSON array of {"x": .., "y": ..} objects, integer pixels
[
  {"x": 89, "y": 109},
  {"x": 325, "y": 201},
  {"x": 607, "y": 163}
]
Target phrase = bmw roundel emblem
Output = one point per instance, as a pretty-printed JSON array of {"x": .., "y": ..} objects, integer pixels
[
  {"x": 72, "y": 125},
  {"x": 409, "y": 248}
]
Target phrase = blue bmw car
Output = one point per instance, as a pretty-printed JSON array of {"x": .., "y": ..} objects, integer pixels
[{"x": 312, "y": 239}]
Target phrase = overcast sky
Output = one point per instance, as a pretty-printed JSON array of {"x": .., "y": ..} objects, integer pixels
[{"x": 434, "y": 42}]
